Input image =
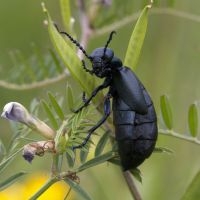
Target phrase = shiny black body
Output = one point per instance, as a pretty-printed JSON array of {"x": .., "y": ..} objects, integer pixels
[
  {"x": 136, "y": 132},
  {"x": 134, "y": 115}
]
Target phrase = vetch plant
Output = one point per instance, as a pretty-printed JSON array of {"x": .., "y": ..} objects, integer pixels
[
  {"x": 65, "y": 129},
  {"x": 71, "y": 132}
]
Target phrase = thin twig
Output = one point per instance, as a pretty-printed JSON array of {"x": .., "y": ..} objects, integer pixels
[
  {"x": 179, "y": 136},
  {"x": 176, "y": 13},
  {"x": 48, "y": 184},
  {"x": 132, "y": 187},
  {"x": 116, "y": 25},
  {"x": 86, "y": 30},
  {"x": 34, "y": 85}
]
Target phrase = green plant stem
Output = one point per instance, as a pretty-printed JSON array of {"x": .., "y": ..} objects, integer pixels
[
  {"x": 55, "y": 170},
  {"x": 54, "y": 165},
  {"x": 179, "y": 136},
  {"x": 44, "y": 188},
  {"x": 11, "y": 156},
  {"x": 132, "y": 187},
  {"x": 85, "y": 25}
]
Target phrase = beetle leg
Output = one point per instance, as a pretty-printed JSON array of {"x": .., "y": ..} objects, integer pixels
[
  {"x": 86, "y": 103},
  {"x": 94, "y": 93},
  {"x": 100, "y": 122}
]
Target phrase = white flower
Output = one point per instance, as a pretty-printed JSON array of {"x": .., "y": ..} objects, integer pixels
[{"x": 17, "y": 112}]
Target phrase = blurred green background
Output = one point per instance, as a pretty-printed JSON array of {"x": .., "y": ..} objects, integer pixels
[{"x": 169, "y": 64}]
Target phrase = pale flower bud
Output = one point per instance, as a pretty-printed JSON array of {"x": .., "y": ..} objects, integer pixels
[{"x": 16, "y": 112}]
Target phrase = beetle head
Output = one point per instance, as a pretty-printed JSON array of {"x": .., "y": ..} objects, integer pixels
[{"x": 101, "y": 61}]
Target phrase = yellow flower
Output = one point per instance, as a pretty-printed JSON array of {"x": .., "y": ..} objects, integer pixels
[{"x": 26, "y": 189}]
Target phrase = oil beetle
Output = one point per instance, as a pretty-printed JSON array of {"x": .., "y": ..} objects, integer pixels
[{"x": 134, "y": 116}]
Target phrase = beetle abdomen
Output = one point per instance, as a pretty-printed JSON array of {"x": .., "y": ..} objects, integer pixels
[
  {"x": 134, "y": 143},
  {"x": 136, "y": 134},
  {"x": 133, "y": 152}
]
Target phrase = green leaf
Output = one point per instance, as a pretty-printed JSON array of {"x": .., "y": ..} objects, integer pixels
[
  {"x": 70, "y": 97},
  {"x": 114, "y": 146},
  {"x": 171, "y": 3},
  {"x": 88, "y": 124},
  {"x": 70, "y": 152},
  {"x": 115, "y": 161},
  {"x": 79, "y": 140},
  {"x": 137, "y": 39},
  {"x": 78, "y": 189},
  {"x": 156, "y": 2},
  {"x": 162, "y": 150},
  {"x": 96, "y": 161},
  {"x": 69, "y": 57},
  {"x": 7, "y": 160},
  {"x": 193, "y": 191},
  {"x": 166, "y": 111},
  {"x": 5, "y": 163},
  {"x": 102, "y": 143},
  {"x": 83, "y": 154},
  {"x": 137, "y": 174},
  {"x": 50, "y": 115},
  {"x": 60, "y": 142},
  {"x": 56, "y": 106},
  {"x": 66, "y": 13},
  {"x": 78, "y": 119},
  {"x": 10, "y": 180},
  {"x": 70, "y": 156},
  {"x": 57, "y": 63},
  {"x": 193, "y": 120},
  {"x": 2, "y": 149}
]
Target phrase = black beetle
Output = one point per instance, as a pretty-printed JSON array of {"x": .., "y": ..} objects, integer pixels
[{"x": 134, "y": 116}]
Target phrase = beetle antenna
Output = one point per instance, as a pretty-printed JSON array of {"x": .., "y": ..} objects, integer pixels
[
  {"x": 73, "y": 40},
  {"x": 108, "y": 41}
]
